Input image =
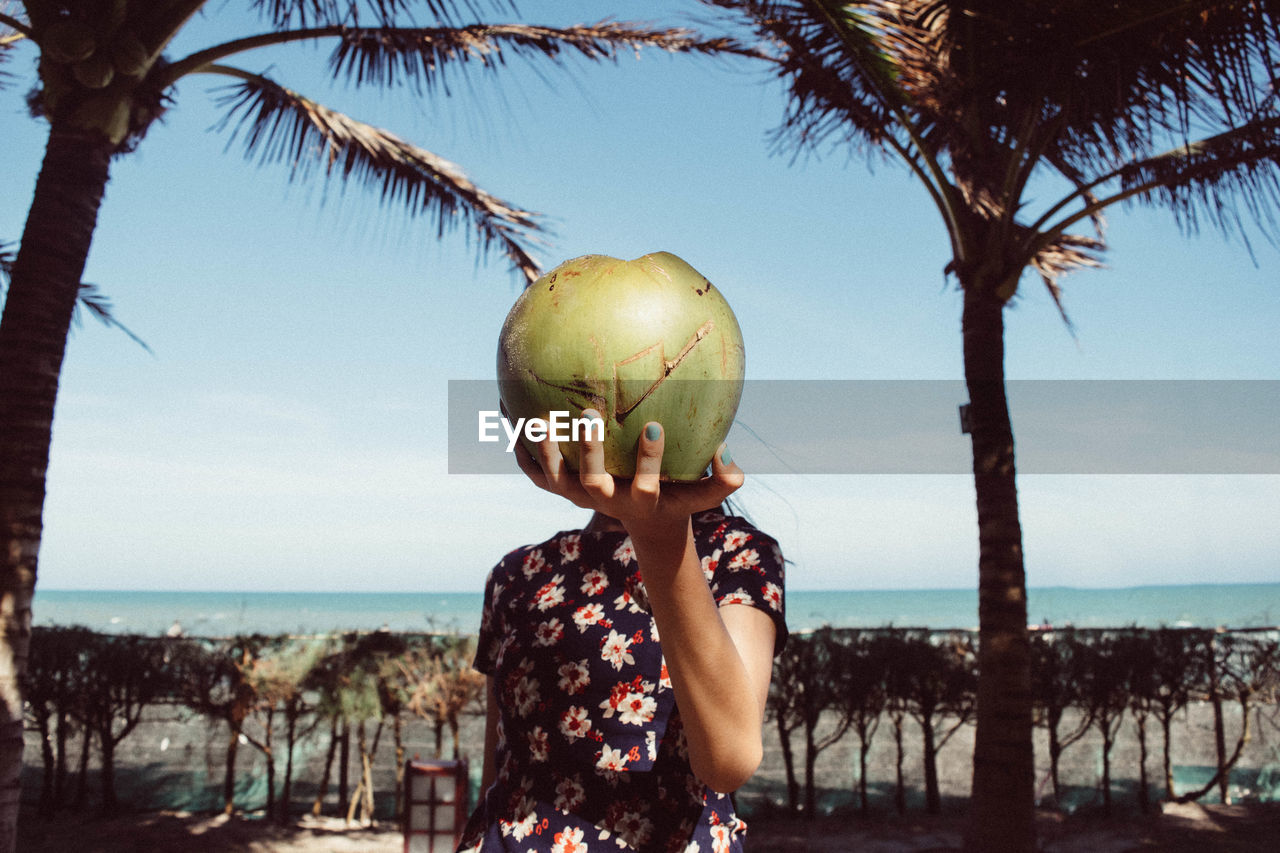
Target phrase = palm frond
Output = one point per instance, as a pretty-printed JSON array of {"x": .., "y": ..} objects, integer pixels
[
  {"x": 90, "y": 295},
  {"x": 286, "y": 13},
  {"x": 279, "y": 125},
  {"x": 98, "y": 304},
  {"x": 1214, "y": 176},
  {"x": 12, "y": 31},
  {"x": 420, "y": 56},
  {"x": 7, "y": 258},
  {"x": 837, "y": 63}
]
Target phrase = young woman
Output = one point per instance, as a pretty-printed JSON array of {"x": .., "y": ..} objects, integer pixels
[{"x": 628, "y": 664}]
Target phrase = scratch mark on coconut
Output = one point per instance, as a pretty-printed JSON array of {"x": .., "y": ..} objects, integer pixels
[
  {"x": 668, "y": 366},
  {"x": 580, "y": 392}
]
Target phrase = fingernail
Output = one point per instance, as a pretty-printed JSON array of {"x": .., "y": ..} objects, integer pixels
[
  {"x": 653, "y": 432},
  {"x": 725, "y": 458}
]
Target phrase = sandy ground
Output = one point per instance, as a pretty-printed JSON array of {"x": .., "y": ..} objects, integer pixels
[{"x": 1179, "y": 829}]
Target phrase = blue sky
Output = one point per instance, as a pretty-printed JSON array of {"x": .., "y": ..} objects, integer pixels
[{"x": 289, "y": 430}]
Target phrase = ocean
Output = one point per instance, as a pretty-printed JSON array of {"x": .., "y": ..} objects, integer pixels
[{"x": 219, "y": 614}]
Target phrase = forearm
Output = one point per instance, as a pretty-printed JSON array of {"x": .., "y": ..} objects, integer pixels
[{"x": 719, "y": 680}]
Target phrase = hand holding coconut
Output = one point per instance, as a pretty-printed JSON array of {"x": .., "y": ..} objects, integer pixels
[{"x": 642, "y": 502}]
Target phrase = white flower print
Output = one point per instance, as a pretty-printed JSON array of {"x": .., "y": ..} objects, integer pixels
[
  {"x": 520, "y": 829},
  {"x": 568, "y": 840},
  {"x": 611, "y": 759},
  {"x": 634, "y": 827},
  {"x": 747, "y": 559},
  {"x": 625, "y": 552},
  {"x": 773, "y": 595},
  {"x": 549, "y": 632},
  {"x": 651, "y": 745},
  {"x": 735, "y": 539},
  {"x": 574, "y": 723},
  {"x": 594, "y": 582},
  {"x": 538, "y": 750},
  {"x": 533, "y": 563},
  {"x": 710, "y": 563},
  {"x": 631, "y": 702},
  {"x": 574, "y": 677},
  {"x": 664, "y": 678},
  {"x": 570, "y": 547},
  {"x": 551, "y": 594},
  {"x": 720, "y": 838},
  {"x": 590, "y": 614},
  {"x": 526, "y": 695},
  {"x": 616, "y": 649},
  {"x": 735, "y": 598},
  {"x": 570, "y": 794}
]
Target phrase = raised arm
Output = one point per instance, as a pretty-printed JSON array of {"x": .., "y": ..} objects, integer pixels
[{"x": 720, "y": 659}]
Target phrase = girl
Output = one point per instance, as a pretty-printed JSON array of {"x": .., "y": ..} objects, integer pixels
[{"x": 628, "y": 664}]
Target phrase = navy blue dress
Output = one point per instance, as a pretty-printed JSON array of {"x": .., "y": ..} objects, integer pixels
[{"x": 591, "y": 754}]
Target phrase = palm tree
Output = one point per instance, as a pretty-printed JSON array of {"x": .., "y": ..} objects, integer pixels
[
  {"x": 104, "y": 78},
  {"x": 1169, "y": 104}
]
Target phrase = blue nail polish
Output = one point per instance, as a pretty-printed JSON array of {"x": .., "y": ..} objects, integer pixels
[
  {"x": 653, "y": 432},
  {"x": 725, "y": 458}
]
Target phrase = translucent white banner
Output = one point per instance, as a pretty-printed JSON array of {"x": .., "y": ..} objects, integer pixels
[{"x": 914, "y": 427}]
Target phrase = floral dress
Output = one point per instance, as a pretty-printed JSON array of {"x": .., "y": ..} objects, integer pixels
[{"x": 591, "y": 754}]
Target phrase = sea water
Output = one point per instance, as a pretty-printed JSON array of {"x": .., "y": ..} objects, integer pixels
[{"x": 220, "y": 614}]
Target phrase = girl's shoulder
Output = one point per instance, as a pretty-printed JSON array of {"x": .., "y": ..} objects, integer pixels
[
  {"x": 715, "y": 529},
  {"x": 527, "y": 560}
]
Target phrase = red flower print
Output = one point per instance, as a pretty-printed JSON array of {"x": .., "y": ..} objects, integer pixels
[
  {"x": 594, "y": 582},
  {"x": 574, "y": 723},
  {"x": 631, "y": 701},
  {"x": 550, "y": 594},
  {"x": 570, "y": 547},
  {"x": 773, "y": 595},
  {"x": 616, "y": 649},
  {"x": 569, "y": 840},
  {"x": 574, "y": 677},
  {"x": 533, "y": 563},
  {"x": 549, "y": 632},
  {"x": 588, "y": 615}
]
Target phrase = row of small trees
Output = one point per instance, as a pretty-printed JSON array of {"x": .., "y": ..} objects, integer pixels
[
  {"x": 831, "y": 682},
  {"x": 92, "y": 690}
]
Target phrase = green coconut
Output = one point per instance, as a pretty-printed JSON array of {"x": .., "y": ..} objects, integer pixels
[{"x": 638, "y": 341}]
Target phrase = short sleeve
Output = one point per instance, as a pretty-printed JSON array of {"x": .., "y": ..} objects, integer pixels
[
  {"x": 745, "y": 566},
  {"x": 489, "y": 640}
]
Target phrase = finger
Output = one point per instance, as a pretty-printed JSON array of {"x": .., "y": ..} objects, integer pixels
[
  {"x": 591, "y": 472},
  {"x": 726, "y": 478},
  {"x": 726, "y": 472},
  {"x": 530, "y": 466},
  {"x": 553, "y": 465},
  {"x": 646, "y": 485}
]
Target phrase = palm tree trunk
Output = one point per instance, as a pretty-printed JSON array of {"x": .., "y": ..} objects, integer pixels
[
  {"x": 317, "y": 807},
  {"x": 932, "y": 795},
  {"x": 1144, "y": 796},
  {"x": 1002, "y": 803},
  {"x": 789, "y": 765},
  {"x": 864, "y": 747},
  {"x": 900, "y": 782},
  {"x": 229, "y": 772},
  {"x": 33, "y": 336}
]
